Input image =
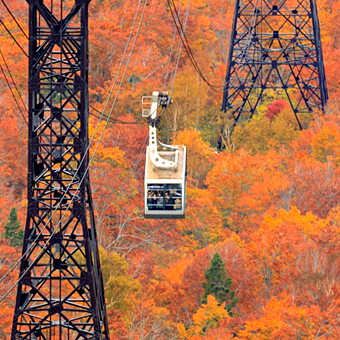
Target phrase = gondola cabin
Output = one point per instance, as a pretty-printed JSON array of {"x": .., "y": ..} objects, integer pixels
[{"x": 165, "y": 169}]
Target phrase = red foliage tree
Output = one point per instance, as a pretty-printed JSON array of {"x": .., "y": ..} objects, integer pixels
[{"x": 274, "y": 109}]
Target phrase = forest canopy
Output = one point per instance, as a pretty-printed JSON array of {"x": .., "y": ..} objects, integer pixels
[{"x": 267, "y": 202}]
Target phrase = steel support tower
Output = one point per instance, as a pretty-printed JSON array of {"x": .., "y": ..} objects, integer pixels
[
  {"x": 275, "y": 45},
  {"x": 60, "y": 294}
]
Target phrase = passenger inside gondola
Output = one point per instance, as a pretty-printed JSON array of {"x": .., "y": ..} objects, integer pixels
[
  {"x": 164, "y": 197},
  {"x": 149, "y": 200},
  {"x": 160, "y": 201},
  {"x": 154, "y": 201},
  {"x": 167, "y": 201}
]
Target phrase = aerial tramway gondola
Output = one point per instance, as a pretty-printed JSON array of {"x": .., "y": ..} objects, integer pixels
[{"x": 165, "y": 167}]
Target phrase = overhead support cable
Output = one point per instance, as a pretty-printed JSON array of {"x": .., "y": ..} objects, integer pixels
[
  {"x": 15, "y": 20},
  {"x": 82, "y": 160},
  {"x": 171, "y": 49},
  {"x": 113, "y": 120},
  {"x": 13, "y": 81},
  {"x": 181, "y": 33},
  {"x": 180, "y": 48},
  {"x": 11, "y": 35},
  {"x": 10, "y": 88}
]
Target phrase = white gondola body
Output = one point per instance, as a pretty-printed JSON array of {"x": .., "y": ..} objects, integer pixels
[{"x": 170, "y": 184}]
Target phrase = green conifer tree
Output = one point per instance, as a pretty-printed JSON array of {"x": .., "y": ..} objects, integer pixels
[
  {"x": 12, "y": 231},
  {"x": 219, "y": 284}
]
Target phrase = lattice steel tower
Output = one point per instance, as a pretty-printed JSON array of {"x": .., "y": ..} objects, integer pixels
[
  {"x": 275, "y": 45},
  {"x": 60, "y": 295}
]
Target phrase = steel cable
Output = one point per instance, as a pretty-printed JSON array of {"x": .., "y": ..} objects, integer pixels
[
  {"x": 15, "y": 86},
  {"x": 13, "y": 17},
  {"x": 180, "y": 48},
  {"x": 171, "y": 49},
  {"x": 9, "y": 86},
  {"x": 11, "y": 35},
  {"x": 186, "y": 45},
  {"x": 86, "y": 171},
  {"x": 175, "y": 16}
]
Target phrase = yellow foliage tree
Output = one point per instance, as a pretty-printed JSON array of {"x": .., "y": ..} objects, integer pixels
[
  {"x": 198, "y": 155},
  {"x": 203, "y": 223},
  {"x": 119, "y": 286},
  {"x": 262, "y": 134},
  {"x": 326, "y": 144},
  {"x": 205, "y": 318}
]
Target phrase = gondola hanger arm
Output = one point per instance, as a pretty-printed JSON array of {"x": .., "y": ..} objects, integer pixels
[{"x": 162, "y": 156}]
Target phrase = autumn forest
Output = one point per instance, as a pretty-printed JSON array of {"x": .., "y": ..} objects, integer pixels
[{"x": 263, "y": 215}]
